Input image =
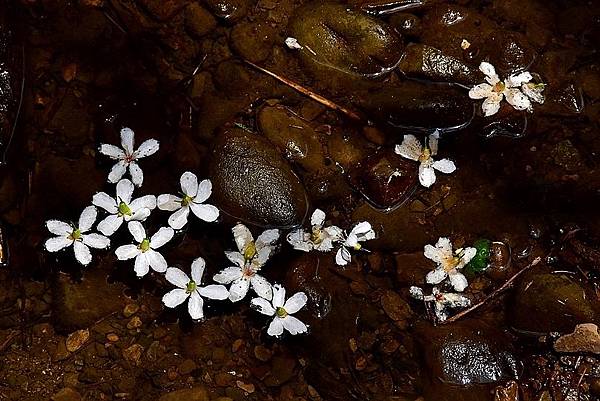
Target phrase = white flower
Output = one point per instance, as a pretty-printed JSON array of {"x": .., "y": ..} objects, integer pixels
[
  {"x": 282, "y": 311},
  {"x": 79, "y": 237},
  {"x": 361, "y": 232},
  {"x": 320, "y": 238},
  {"x": 412, "y": 149},
  {"x": 449, "y": 263},
  {"x": 248, "y": 261},
  {"x": 193, "y": 194},
  {"x": 495, "y": 90},
  {"x": 292, "y": 43},
  {"x": 127, "y": 157},
  {"x": 122, "y": 208},
  {"x": 442, "y": 301},
  {"x": 190, "y": 288},
  {"x": 144, "y": 252}
]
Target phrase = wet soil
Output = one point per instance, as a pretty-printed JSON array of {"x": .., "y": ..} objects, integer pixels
[{"x": 73, "y": 73}]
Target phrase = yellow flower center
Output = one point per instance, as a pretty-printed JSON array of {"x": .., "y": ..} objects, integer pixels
[
  {"x": 124, "y": 209},
  {"x": 75, "y": 235},
  {"x": 316, "y": 237},
  {"x": 145, "y": 245},
  {"x": 425, "y": 155},
  {"x": 186, "y": 200},
  {"x": 191, "y": 287},
  {"x": 499, "y": 87},
  {"x": 281, "y": 312},
  {"x": 250, "y": 251}
]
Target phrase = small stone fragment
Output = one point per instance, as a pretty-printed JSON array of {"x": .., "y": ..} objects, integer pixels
[
  {"x": 130, "y": 310},
  {"x": 247, "y": 387},
  {"x": 76, "y": 339},
  {"x": 396, "y": 308},
  {"x": 585, "y": 338},
  {"x": 134, "y": 323},
  {"x": 133, "y": 354},
  {"x": 66, "y": 394}
]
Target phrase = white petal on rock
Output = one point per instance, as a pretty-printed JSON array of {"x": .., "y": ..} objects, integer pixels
[
  {"x": 105, "y": 201},
  {"x": 489, "y": 71},
  {"x": 436, "y": 276},
  {"x": 236, "y": 258},
  {"x": 242, "y": 236},
  {"x": 147, "y": 201},
  {"x": 208, "y": 213},
  {"x": 432, "y": 142},
  {"x": 263, "y": 306},
  {"x": 137, "y": 230},
  {"x": 82, "y": 253},
  {"x": 468, "y": 254},
  {"x": 87, "y": 218},
  {"x": 117, "y": 171},
  {"x": 480, "y": 91},
  {"x": 95, "y": 240},
  {"x": 204, "y": 191},
  {"x": 189, "y": 184},
  {"x": 267, "y": 237},
  {"x": 125, "y": 252},
  {"x": 491, "y": 105},
  {"x": 174, "y": 297},
  {"x": 124, "y": 191},
  {"x": 426, "y": 175},
  {"x": 416, "y": 293},
  {"x": 228, "y": 275},
  {"x": 55, "y": 244},
  {"x": 180, "y": 218},
  {"x": 141, "y": 265},
  {"x": 351, "y": 240},
  {"x": 293, "y": 325},
  {"x": 127, "y": 138},
  {"x": 292, "y": 43},
  {"x": 457, "y": 300},
  {"x": 458, "y": 281},
  {"x": 534, "y": 92},
  {"x": 362, "y": 228},
  {"x": 161, "y": 237},
  {"x": 156, "y": 260},
  {"x": 445, "y": 166},
  {"x": 177, "y": 277},
  {"x": 137, "y": 175},
  {"x": 168, "y": 202},
  {"x": 278, "y": 296},
  {"x": 410, "y": 148},
  {"x": 147, "y": 148},
  {"x": 300, "y": 240},
  {"x": 261, "y": 286},
  {"x": 198, "y": 269},
  {"x": 275, "y": 328},
  {"x": 317, "y": 218},
  {"x": 112, "y": 151},
  {"x": 295, "y": 302},
  {"x": 238, "y": 290},
  {"x": 517, "y": 99},
  {"x": 263, "y": 255},
  {"x": 517, "y": 80},
  {"x": 196, "y": 306},
  {"x": 214, "y": 291},
  {"x": 343, "y": 257},
  {"x": 58, "y": 227}
]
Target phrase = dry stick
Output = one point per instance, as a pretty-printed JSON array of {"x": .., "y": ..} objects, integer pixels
[
  {"x": 307, "y": 92},
  {"x": 494, "y": 293}
]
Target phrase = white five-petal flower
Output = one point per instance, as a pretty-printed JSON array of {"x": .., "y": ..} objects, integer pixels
[
  {"x": 189, "y": 288},
  {"x": 360, "y": 233},
  {"x": 517, "y": 90},
  {"x": 448, "y": 263},
  {"x": 144, "y": 251},
  {"x": 282, "y": 311},
  {"x": 193, "y": 196},
  {"x": 122, "y": 208},
  {"x": 249, "y": 259},
  {"x": 442, "y": 301},
  {"x": 412, "y": 149},
  {"x": 319, "y": 238},
  {"x": 127, "y": 157},
  {"x": 79, "y": 236}
]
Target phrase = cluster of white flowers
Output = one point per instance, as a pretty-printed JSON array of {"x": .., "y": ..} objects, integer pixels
[{"x": 325, "y": 239}]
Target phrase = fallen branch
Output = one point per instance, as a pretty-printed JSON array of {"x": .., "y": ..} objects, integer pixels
[
  {"x": 493, "y": 294},
  {"x": 308, "y": 92}
]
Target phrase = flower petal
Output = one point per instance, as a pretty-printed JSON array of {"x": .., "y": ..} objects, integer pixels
[
  {"x": 242, "y": 236},
  {"x": 517, "y": 80},
  {"x": 214, "y": 291},
  {"x": 82, "y": 253},
  {"x": 236, "y": 258},
  {"x": 343, "y": 256},
  {"x": 300, "y": 240},
  {"x": 156, "y": 260},
  {"x": 295, "y": 302},
  {"x": 489, "y": 71},
  {"x": 238, "y": 289},
  {"x": 433, "y": 253},
  {"x": 293, "y": 325},
  {"x": 58, "y": 227},
  {"x": 147, "y": 201},
  {"x": 139, "y": 215},
  {"x": 445, "y": 246},
  {"x": 204, "y": 191},
  {"x": 117, "y": 171},
  {"x": 198, "y": 269},
  {"x": 491, "y": 105},
  {"x": 125, "y": 252},
  {"x": 228, "y": 275},
  {"x": 147, "y": 148},
  {"x": 363, "y": 231},
  {"x": 436, "y": 276},
  {"x": 468, "y": 254},
  {"x": 189, "y": 184},
  {"x": 317, "y": 218},
  {"x": 161, "y": 237},
  {"x": 55, "y": 244},
  {"x": 263, "y": 306},
  {"x": 278, "y": 296},
  {"x": 410, "y": 148},
  {"x": 534, "y": 92},
  {"x": 168, "y": 202},
  {"x": 137, "y": 230},
  {"x": 105, "y": 201},
  {"x": 95, "y": 240},
  {"x": 276, "y": 327},
  {"x": 432, "y": 142},
  {"x": 180, "y": 218},
  {"x": 196, "y": 306},
  {"x": 517, "y": 99},
  {"x": 416, "y": 293},
  {"x": 124, "y": 191},
  {"x": 208, "y": 213},
  {"x": 112, "y": 151},
  {"x": 127, "y": 138},
  {"x": 174, "y": 297},
  {"x": 261, "y": 286},
  {"x": 141, "y": 265},
  {"x": 426, "y": 175},
  {"x": 480, "y": 91},
  {"x": 267, "y": 237},
  {"x": 87, "y": 218},
  {"x": 446, "y": 166},
  {"x": 137, "y": 175},
  {"x": 177, "y": 277},
  {"x": 458, "y": 281}
]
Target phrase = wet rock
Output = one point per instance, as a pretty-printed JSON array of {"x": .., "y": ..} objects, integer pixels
[
  {"x": 465, "y": 360},
  {"x": 508, "y": 392},
  {"x": 584, "y": 339},
  {"x": 416, "y": 106},
  {"x": 66, "y": 394},
  {"x": 509, "y": 51},
  {"x": 427, "y": 62},
  {"x": 407, "y": 24},
  {"x": 197, "y": 393},
  {"x": 253, "y": 41},
  {"x": 341, "y": 43},
  {"x": 383, "y": 7},
  {"x": 303, "y": 275},
  {"x": 229, "y": 10},
  {"x": 548, "y": 302},
  {"x": 163, "y": 9},
  {"x": 252, "y": 182},
  {"x": 396, "y": 308},
  {"x": 198, "y": 20},
  {"x": 507, "y": 123},
  {"x": 385, "y": 179},
  {"x": 564, "y": 99}
]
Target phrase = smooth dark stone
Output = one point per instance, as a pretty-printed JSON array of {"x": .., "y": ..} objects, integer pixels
[
  {"x": 254, "y": 183},
  {"x": 510, "y": 125},
  {"x": 384, "y": 7},
  {"x": 509, "y": 51}
]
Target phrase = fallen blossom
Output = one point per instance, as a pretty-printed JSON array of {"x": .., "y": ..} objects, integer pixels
[
  {"x": 448, "y": 263},
  {"x": 145, "y": 251},
  {"x": 282, "y": 311},
  {"x": 319, "y": 238}
]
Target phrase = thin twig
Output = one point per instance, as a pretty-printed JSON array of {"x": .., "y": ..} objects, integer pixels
[
  {"x": 310, "y": 93},
  {"x": 494, "y": 293}
]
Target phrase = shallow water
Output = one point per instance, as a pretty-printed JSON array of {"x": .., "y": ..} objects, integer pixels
[{"x": 75, "y": 73}]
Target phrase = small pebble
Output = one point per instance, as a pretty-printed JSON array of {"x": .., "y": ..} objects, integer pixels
[
  {"x": 130, "y": 310},
  {"x": 247, "y": 387},
  {"x": 76, "y": 339}
]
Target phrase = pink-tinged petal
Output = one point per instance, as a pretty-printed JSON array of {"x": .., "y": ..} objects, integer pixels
[
  {"x": 137, "y": 175},
  {"x": 410, "y": 148},
  {"x": 276, "y": 327},
  {"x": 147, "y": 148},
  {"x": 261, "y": 286},
  {"x": 242, "y": 236},
  {"x": 127, "y": 140},
  {"x": 458, "y": 281},
  {"x": 238, "y": 290},
  {"x": 204, "y": 191},
  {"x": 491, "y": 105},
  {"x": 141, "y": 265},
  {"x": 208, "y": 213},
  {"x": 263, "y": 306},
  {"x": 105, "y": 201},
  {"x": 480, "y": 91},
  {"x": 214, "y": 291},
  {"x": 117, "y": 171},
  {"x": 189, "y": 184},
  {"x": 112, "y": 151},
  {"x": 198, "y": 269},
  {"x": 517, "y": 99},
  {"x": 55, "y": 244},
  {"x": 293, "y": 325},
  {"x": 125, "y": 252},
  {"x": 228, "y": 275},
  {"x": 95, "y": 240},
  {"x": 161, "y": 237},
  {"x": 278, "y": 296},
  {"x": 446, "y": 166},
  {"x": 180, "y": 218},
  {"x": 295, "y": 302},
  {"x": 174, "y": 297},
  {"x": 426, "y": 175},
  {"x": 82, "y": 253},
  {"x": 137, "y": 230},
  {"x": 177, "y": 277},
  {"x": 436, "y": 276},
  {"x": 196, "y": 306},
  {"x": 156, "y": 260},
  {"x": 58, "y": 227},
  {"x": 124, "y": 191},
  {"x": 87, "y": 218},
  {"x": 168, "y": 202}
]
